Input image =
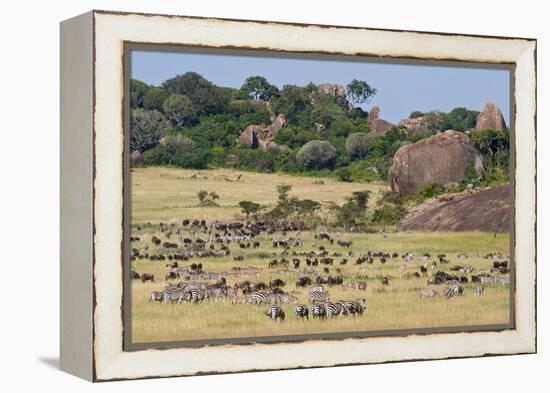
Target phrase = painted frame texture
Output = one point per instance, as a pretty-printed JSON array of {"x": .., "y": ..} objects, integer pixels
[{"x": 92, "y": 241}]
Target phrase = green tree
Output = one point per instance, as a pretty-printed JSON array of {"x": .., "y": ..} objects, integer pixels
[
  {"x": 206, "y": 97},
  {"x": 179, "y": 110},
  {"x": 146, "y": 128},
  {"x": 138, "y": 89},
  {"x": 154, "y": 98},
  {"x": 292, "y": 101},
  {"x": 462, "y": 119},
  {"x": 358, "y": 145},
  {"x": 359, "y": 92},
  {"x": 250, "y": 208},
  {"x": 352, "y": 214},
  {"x": 259, "y": 88},
  {"x": 316, "y": 154}
]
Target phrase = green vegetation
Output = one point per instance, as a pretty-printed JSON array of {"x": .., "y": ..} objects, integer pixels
[{"x": 324, "y": 135}]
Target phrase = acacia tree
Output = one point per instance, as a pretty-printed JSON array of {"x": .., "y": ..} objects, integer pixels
[
  {"x": 358, "y": 145},
  {"x": 316, "y": 154},
  {"x": 259, "y": 88},
  {"x": 359, "y": 92},
  {"x": 146, "y": 128},
  {"x": 249, "y": 207},
  {"x": 179, "y": 109}
]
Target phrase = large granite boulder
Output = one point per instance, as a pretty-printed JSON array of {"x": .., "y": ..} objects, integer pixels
[
  {"x": 261, "y": 136},
  {"x": 487, "y": 210},
  {"x": 491, "y": 117},
  {"x": 441, "y": 158},
  {"x": 377, "y": 125},
  {"x": 333, "y": 89}
]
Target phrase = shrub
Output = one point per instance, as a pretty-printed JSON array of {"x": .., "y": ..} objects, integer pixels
[
  {"x": 146, "y": 128},
  {"x": 179, "y": 110},
  {"x": 358, "y": 145},
  {"x": 316, "y": 154},
  {"x": 344, "y": 174}
]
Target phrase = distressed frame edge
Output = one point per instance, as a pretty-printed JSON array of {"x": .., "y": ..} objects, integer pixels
[
  {"x": 76, "y": 196},
  {"x": 527, "y": 339}
]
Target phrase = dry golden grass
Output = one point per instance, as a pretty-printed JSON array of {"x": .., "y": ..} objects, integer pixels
[{"x": 170, "y": 195}]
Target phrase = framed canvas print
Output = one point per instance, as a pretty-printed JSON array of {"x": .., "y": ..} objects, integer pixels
[{"x": 247, "y": 195}]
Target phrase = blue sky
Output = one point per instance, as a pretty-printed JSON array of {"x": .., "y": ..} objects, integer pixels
[{"x": 402, "y": 88}]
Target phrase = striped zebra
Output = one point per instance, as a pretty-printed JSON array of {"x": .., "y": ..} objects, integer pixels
[
  {"x": 354, "y": 307},
  {"x": 197, "y": 295},
  {"x": 262, "y": 297},
  {"x": 286, "y": 298},
  {"x": 427, "y": 292},
  {"x": 317, "y": 296},
  {"x": 301, "y": 311},
  {"x": 275, "y": 312},
  {"x": 319, "y": 311},
  {"x": 335, "y": 309},
  {"x": 456, "y": 290},
  {"x": 316, "y": 288},
  {"x": 156, "y": 296},
  {"x": 173, "y": 295},
  {"x": 478, "y": 289}
]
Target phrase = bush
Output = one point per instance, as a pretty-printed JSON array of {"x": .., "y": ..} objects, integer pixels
[
  {"x": 179, "y": 110},
  {"x": 429, "y": 190},
  {"x": 146, "y": 128},
  {"x": 358, "y": 145},
  {"x": 344, "y": 174},
  {"x": 316, "y": 154}
]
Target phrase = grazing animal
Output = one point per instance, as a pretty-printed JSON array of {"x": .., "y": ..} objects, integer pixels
[
  {"x": 319, "y": 311},
  {"x": 335, "y": 309},
  {"x": 156, "y": 296},
  {"x": 385, "y": 280},
  {"x": 147, "y": 277},
  {"x": 172, "y": 275},
  {"x": 354, "y": 307},
  {"x": 275, "y": 312},
  {"x": 134, "y": 275},
  {"x": 427, "y": 292},
  {"x": 478, "y": 289},
  {"x": 303, "y": 281},
  {"x": 360, "y": 285},
  {"x": 456, "y": 290},
  {"x": 277, "y": 283},
  {"x": 317, "y": 296},
  {"x": 301, "y": 311}
]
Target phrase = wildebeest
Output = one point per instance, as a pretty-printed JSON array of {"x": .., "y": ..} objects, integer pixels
[
  {"x": 147, "y": 277},
  {"x": 301, "y": 311},
  {"x": 277, "y": 283},
  {"x": 172, "y": 275},
  {"x": 303, "y": 281},
  {"x": 385, "y": 280},
  {"x": 134, "y": 275}
]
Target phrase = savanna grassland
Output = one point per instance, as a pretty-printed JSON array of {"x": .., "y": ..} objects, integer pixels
[{"x": 170, "y": 195}]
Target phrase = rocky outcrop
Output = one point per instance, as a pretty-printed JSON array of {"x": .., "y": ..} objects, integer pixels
[
  {"x": 491, "y": 117},
  {"x": 261, "y": 136},
  {"x": 487, "y": 210},
  {"x": 441, "y": 158},
  {"x": 411, "y": 125},
  {"x": 377, "y": 125},
  {"x": 136, "y": 158},
  {"x": 333, "y": 89}
]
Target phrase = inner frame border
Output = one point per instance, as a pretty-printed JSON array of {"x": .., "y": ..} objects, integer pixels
[{"x": 129, "y": 46}]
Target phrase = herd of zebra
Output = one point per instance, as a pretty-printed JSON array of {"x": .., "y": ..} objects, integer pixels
[{"x": 197, "y": 285}]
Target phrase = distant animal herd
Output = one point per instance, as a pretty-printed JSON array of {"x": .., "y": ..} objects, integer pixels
[{"x": 179, "y": 246}]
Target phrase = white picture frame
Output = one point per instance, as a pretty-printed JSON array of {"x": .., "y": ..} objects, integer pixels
[{"x": 92, "y": 193}]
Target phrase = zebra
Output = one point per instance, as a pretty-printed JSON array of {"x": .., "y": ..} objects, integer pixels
[
  {"x": 361, "y": 285},
  {"x": 427, "y": 292},
  {"x": 156, "y": 296},
  {"x": 262, "y": 297},
  {"x": 285, "y": 298},
  {"x": 478, "y": 289},
  {"x": 337, "y": 308},
  {"x": 215, "y": 293},
  {"x": 456, "y": 290},
  {"x": 354, "y": 307},
  {"x": 316, "y": 288},
  {"x": 318, "y": 311},
  {"x": 301, "y": 311},
  {"x": 316, "y": 296},
  {"x": 197, "y": 295},
  {"x": 173, "y": 294},
  {"x": 275, "y": 312}
]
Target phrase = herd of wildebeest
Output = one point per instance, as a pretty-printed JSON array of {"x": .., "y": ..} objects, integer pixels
[{"x": 185, "y": 249}]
